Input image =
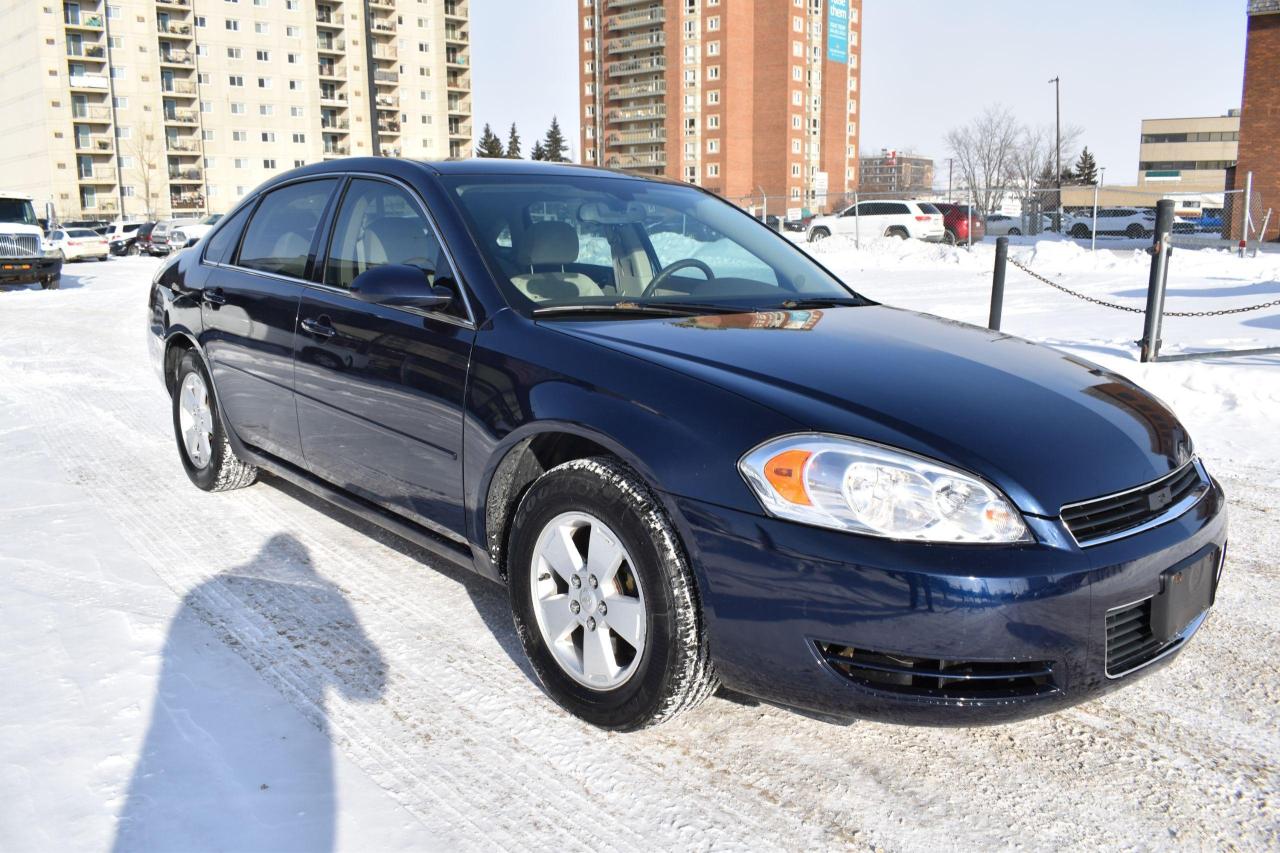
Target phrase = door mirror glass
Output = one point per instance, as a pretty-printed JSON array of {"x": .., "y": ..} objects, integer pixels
[{"x": 401, "y": 286}]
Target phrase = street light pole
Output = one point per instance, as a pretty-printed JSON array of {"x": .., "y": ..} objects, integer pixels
[
  {"x": 1057, "y": 148},
  {"x": 1102, "y": 176}
]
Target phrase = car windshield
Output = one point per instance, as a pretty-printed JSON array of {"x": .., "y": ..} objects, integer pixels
[
  {"x": 590, "y": 241},
  {"x": 82, "y": 232},
  {"x": 211, "y": 219}
]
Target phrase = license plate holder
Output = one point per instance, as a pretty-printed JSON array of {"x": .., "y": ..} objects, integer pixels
[{"x": 1186, "y": 591}]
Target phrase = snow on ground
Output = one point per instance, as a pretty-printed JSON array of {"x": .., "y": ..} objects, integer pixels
[{"x": 255, "y": 670}]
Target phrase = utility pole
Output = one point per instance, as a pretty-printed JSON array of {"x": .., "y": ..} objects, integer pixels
[
  {"x": 951, "y": 161},
  {"x": 1057, "y": 148},
  {"x": 1102, "y": 176}
]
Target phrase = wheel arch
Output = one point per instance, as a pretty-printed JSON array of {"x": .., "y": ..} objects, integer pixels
[{"x": 524, "y": 457}]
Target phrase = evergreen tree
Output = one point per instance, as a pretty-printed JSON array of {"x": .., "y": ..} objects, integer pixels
[
  {"x": 513, "y": 144},
  {"x": 554, "y": 146},
  {"x": 1086, "y": 171},
  {"x": 538, "y": 152},
  {"x": 490, "y": 145}
]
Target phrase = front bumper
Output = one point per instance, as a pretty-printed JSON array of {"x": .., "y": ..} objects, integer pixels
[
  {"x": 779, "y": 597},
  {"x": 28, "y": 270}
]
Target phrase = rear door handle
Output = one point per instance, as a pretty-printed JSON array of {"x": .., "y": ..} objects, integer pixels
[
  {"x": 214, "y": 297},
  {"x": 319, "y": 326}
]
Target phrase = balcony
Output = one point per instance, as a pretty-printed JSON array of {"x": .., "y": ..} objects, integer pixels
[
  {"x": 627, "y": 44},
  {"x": 97, "y": 175},
  {"x": 186, "y": 146},
  {"x": 651, "y": 160},
  {"x": 385, "y": 52},
  {"x": 389, "y": 127},
  {"x": 622, "y": 4},
  {"x": 180, "y": 88},
  {"x": 87, "y": 113},
  {"x": 174, "y": 4},
  {"x": 643, "y": 113},
  {"x": 95, "y": 52},
  {"x": 331, "y": 45},
  {"x": 337, "y": 150},
  {"x": 189, "y": 175},
  {"x": 333, "y": 98},
  {"x": 637, "y": 90},
  {"x": 97, "y": 82},
  {"x": 187, "y": 201},
  {"x": 101, "y": 205},
  {"x": 385, "y": 76},
  {"x": 459, "y": 106},
  {"x": 95, "y": 143},
  {"x": 330, "y": 70},
  {"x": 82, "y": 22},
  {"x": 454, "y": 10},
  {"x": 637, "y": 137},
  {"x": 462, "y": 131},
  {"x": 389, "y": 151},
  {"x": 458, "y": 81},
  {"x": 387, "y": 101},
  {"x": 330, "y": 19},
  {"x": 637, "y": 66},
  {"x": 383, "y": 26},
  {"x": 177, "y": 57},
  {"x": 172, "y": 29},
  {"x": 638, "y": 18},
  {"x": 181, "y": 117},
  {"x": 456, "y": 35},
  {"x": 388, "y": 5},
  {"x": 334, "y": 123}
]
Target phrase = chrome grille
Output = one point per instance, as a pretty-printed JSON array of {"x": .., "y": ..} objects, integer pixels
[
  {"x": 1103, "y": 519},
  {"x": 19, "y": 246}
]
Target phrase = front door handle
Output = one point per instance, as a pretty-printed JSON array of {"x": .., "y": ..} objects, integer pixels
[
  {"x": 213, "y": 297},
  {"x": 319, "y": 326}
]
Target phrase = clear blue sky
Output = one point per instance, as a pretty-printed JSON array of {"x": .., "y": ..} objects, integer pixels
[{"x": 929, "y": 65}]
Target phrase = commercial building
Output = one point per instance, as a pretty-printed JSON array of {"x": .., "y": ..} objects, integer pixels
[
  {"x": 1188, "y": 154},
  {"x": 173, "y": 108},
  {"x": 1260, "y": 109},
  {"x": 748, "y": 98},
  {"x": 897, "y": 173}
]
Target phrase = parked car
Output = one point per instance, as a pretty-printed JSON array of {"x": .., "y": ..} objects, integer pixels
[
  {"x": 181, "y": 235},
  {"x": 957, "y": 220},
  {"x": 76, "y": 244},
  {"x": 887, "y": 218},
  {"x": 142, "y": 239},
  {"x": 158, "y": 244},
  {"x": 121, "y": 237},
  {"x": 690, "y": 462},
  {"x": 1003, "y": 225}
]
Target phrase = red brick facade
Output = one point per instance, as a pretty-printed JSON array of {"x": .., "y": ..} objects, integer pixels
[{"x": 1260, "y": 117}]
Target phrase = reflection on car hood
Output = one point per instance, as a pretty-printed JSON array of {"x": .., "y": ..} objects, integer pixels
[{"x": 1045, "y": 426}]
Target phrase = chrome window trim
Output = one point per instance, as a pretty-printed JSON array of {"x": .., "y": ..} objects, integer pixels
[
  {"x": 469, "y": 322},
  {"x": 1170, "y": 512}
]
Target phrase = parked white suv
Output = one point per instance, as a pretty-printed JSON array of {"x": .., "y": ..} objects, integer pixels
[
  {"x": 882, "y": 218},
  {"x": 180, "y": 234}
]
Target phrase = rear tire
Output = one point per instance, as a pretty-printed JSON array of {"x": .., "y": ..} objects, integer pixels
[
  {"x": 1135, "y": 232},
  {"x": 590, "y": 532},
  {"x": 51, "y": 283},
  {"x": 1080, "y": 231},
  {"x": 950, "y": 237},
  {"x": 899, "y": 233},
  {"x": 207, "y": 455},
  {"x": 1015, "y": 232},
  {"x": 818, "y": 234}
]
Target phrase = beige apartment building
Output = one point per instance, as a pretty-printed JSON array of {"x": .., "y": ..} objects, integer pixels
[
  {"x": 1188, "y": 154},
  {"x": 158, "y": 108},
  {"x": 748, "y": 98}
]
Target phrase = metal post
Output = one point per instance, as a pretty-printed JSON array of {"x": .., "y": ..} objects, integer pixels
[
  {"x": 1093, "y": 230},
  {"x": 857, "y": 226},
  {"x": 970, "y": 217},
  {"x": 1160, "y": 251},
  {"x": 1244, "y": 222},
  {"x": 1057, "y": 135},
  {"x": 997, "y": 283}
]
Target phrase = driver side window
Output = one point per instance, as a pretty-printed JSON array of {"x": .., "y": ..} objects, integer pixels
[{"x": 380, "y": 223}]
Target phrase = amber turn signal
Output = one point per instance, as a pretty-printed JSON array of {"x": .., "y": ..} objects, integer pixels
[{"x": 785, "y": 472}]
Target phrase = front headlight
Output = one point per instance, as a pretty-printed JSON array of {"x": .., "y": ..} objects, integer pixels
[{"x": 853, "y": 485}]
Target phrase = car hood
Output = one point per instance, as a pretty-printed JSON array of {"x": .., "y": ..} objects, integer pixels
[{"x": 1046, "y": 427}]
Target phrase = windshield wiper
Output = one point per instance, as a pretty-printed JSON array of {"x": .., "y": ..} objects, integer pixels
[
  {"x": 818, "y": 302},
  {"x": 651, "y": 309}
]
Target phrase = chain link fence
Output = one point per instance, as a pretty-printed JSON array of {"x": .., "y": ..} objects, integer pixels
[{"x": 1096, "y": 216}]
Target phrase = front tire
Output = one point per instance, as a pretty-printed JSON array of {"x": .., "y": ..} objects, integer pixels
[
  {"x": 604, "y": 600},
  {"x": 1015, "y": 232},
  {"x": 53, "y": 282},
  {"x": 207, "y": 455},
  {"x": 818, "y": 234}
]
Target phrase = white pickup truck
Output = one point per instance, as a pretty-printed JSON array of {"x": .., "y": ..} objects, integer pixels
[{"x": 23, "y": 256}]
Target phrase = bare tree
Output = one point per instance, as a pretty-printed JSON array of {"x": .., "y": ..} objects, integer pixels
[
  {"x": 1032, "y": 159},
  {"x": 983, "y": 149},
  {"x": 147, "y": 154}
]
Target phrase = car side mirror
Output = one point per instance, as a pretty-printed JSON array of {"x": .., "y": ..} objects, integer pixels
[
  {"x": 191, "y": 242},
  {"x": 401, "y": 286}
]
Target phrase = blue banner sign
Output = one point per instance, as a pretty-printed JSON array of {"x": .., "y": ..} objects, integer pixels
[{"x": 838, "y": 30}]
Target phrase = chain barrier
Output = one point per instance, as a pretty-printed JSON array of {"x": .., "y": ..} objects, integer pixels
[{"x": 1275, "y": 303}]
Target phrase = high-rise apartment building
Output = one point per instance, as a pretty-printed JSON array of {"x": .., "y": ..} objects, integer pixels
[
  {"x": 179, "y": 107},
  {"x": 744, "y": 97}
]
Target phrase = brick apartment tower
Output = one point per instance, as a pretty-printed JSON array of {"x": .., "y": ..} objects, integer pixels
[
  {"x": 1260, "y": 110},
  {"x": 739, "y": 96}
]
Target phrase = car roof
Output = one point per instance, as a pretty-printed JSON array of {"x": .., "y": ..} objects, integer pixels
[{"x": 471, "y": 166}]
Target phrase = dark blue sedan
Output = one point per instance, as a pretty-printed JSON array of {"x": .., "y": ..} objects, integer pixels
[{"x": 692, "y": 454}]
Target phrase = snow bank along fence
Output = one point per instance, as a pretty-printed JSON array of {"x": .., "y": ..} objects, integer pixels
[
  {"x": 1161, "y": 251},
  {"x": 1090, "y": 214}
]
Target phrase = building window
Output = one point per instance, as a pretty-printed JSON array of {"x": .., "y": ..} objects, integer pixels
[
  {"x": 713, "y": 146},
  {"x": 235, "y": 80},
  {"x": 713, "y": 170},
  {"x": 264, "y": 56},
  {"x": 233, "y": 53},
  {"x": 239, "y": 136},
  {"x": 268, "y": 136},
  {"x": 268, "y": 163},
  {"x": 713, "y": 122},
  {"x": 262, "y": 28},
  {"x": 713, "y": 23},
  {"x": 713, "y": 48},
  {"x": 300, "y": 138},
  {"x": 713, "y": 96},
  {"x": 233, "y": 25},
  {"x": 713, "y": 72}
]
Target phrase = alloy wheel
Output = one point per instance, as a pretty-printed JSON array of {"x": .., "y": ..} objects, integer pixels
[
  {"x": 587, "y": 600},
  {"x": 195, "y": 419}
]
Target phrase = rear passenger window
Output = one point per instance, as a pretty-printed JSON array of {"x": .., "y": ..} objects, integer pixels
[
  {"x": 892, "y": 209},
  {"x": 223, "y": 243},
  {"x": 278, "y": 239}
]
